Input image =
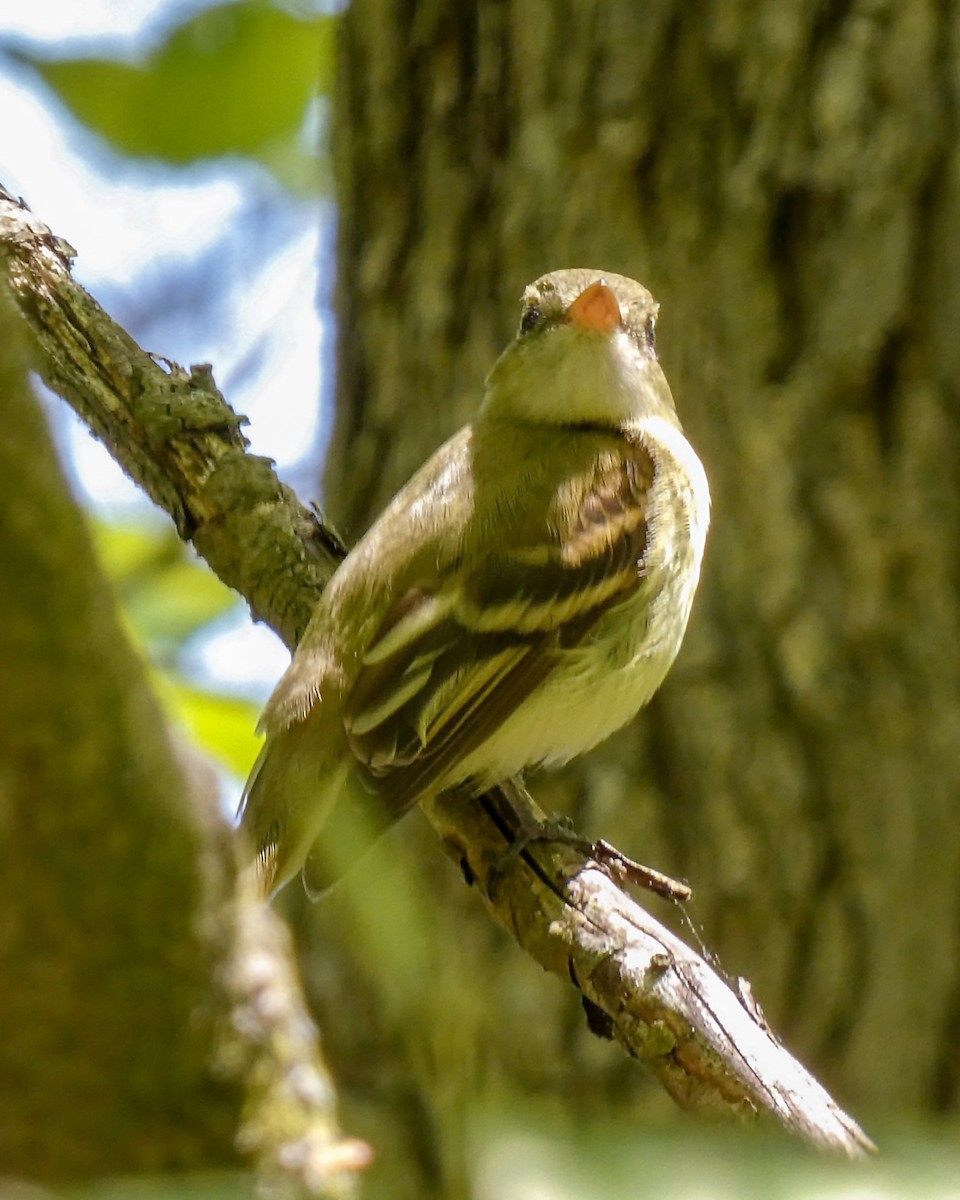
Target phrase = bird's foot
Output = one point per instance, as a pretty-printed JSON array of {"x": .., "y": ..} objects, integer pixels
[{"x": 614, "y": 862}]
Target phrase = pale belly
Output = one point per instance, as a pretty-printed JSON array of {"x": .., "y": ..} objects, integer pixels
[{"x": 595, "y": 688}]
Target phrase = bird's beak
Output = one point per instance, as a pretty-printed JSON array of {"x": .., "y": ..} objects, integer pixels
[{"x": 596, "y": 308}]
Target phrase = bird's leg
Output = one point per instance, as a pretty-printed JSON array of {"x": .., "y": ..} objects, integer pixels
[{"x": 523, "y": 824}]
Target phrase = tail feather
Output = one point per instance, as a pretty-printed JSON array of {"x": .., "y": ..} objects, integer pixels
[
  {"x": 290, "y": 791},
  {"x": 360, "y": 818},
  {"x": 305, "y": 807}
]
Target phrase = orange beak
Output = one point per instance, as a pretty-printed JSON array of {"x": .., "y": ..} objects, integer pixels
[{"x": 596, "y": 308}]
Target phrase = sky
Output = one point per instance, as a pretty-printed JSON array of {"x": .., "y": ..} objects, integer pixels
[{"x": 213, "y": 262}]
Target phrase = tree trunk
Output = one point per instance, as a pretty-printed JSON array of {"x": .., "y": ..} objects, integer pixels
[
  {"x": 784, "y": 178},
  {"x": 151, "y": 1021},
  {"x": 111, "y": 908}
]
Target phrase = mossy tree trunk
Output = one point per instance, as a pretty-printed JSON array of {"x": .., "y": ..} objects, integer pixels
[
  {"x": 115, "y": 867},
  {"x": 784, "y": 177}
]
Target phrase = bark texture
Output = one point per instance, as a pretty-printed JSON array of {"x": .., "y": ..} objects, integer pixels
[
  {"x": 110, "y": 925},
  {"x": 785, "y": 177}
]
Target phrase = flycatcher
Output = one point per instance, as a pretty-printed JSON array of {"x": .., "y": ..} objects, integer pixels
[{"x": 517, "y": 601}]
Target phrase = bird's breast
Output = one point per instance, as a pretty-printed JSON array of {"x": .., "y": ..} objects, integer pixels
[{"x": 600, "y": 684}]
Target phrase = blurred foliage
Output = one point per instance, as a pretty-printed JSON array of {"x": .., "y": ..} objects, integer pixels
[
  {"x": 209, "y": 1186},
  {"x": 514, "y": 1160},
  {"x": 236, "y": 79},
  {"x": 223, "y": 725},
  {"x": 169, "y": 598}
]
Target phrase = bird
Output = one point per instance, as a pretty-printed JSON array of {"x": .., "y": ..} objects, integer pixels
[{"x": 518, "y": 601}]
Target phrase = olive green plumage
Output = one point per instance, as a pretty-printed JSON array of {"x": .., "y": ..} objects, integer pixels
[{"x": 518, "y": 600}]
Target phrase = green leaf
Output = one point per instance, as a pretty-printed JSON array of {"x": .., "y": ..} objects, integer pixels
[
  {"x": 225, "y": 726},
  {"x": 235, "y": 79},
  {"x": 178, "y": 601},
  {"x": 167, "y": 596}
]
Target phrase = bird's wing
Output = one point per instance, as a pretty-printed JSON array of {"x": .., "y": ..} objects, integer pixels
[
  {"x": 350, "y": 607},
  {"x": 447, "y": 666}
]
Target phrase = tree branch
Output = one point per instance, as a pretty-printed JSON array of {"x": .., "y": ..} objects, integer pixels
[
  {"x": 172, "y": 432},
  {"x": 175, "y": 435},
  {"x": 641, "y": 985}
]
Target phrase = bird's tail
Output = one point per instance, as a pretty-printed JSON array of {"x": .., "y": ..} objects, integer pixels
[
  {"x": 358, "y": 819},
  {"x": 306, "y": 807},
  {"x": 290, "y": 791}
]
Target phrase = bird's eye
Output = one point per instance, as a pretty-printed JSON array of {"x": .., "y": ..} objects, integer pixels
[
  {"x": 530, "y": 319},
  {"x": 649, "y": 335}
]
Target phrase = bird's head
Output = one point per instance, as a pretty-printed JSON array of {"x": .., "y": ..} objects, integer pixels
[{"x": 584, "y": 354}]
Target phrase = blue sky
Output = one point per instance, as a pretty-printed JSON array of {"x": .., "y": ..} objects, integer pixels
[{"x": 214, "y": 262}]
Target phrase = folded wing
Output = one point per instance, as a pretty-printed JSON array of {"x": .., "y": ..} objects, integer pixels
[{"x": 448, "y": 665}]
